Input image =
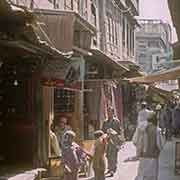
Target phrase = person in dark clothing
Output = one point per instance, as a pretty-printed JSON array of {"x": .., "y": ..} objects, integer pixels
[
  {"x": 111, "y": 122},
  {"x": 176, "y": 120},
  {"x": 168, "y": 121}
]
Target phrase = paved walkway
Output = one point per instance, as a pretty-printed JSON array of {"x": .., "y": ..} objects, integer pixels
[
  {"x": 127, "y": 170},
  {"x": 167, "y": 162}
]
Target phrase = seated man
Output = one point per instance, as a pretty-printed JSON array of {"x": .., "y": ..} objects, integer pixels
[{"x": 61, "y": 128}]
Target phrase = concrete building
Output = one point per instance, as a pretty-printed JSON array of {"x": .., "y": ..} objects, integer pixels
[
  {"x": 153, "y": 43},
  {"x": 154, "y": 49}
]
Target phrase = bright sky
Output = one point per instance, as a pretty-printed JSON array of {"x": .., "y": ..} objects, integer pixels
[{"x": 156, "y": 9}]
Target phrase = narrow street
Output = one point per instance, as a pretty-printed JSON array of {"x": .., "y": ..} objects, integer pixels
[
  {"x": 127, "y": 170},
  {"x": 90, "y": 72}
]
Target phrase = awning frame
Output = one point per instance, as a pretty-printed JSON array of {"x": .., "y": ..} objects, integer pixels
[{"x": 170, "y": 74}]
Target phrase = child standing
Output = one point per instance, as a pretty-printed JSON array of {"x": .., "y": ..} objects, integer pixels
[
  {"x": 73, "y": 156},
  {"x": 99, "y": 155}
]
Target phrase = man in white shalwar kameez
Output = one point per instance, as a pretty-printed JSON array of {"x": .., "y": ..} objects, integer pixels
[
  {"x": 142, "y": 123},
  {"x": 150, "y": 148}
]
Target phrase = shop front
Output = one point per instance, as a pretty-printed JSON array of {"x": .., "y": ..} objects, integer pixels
[
  {"x": 23, "y": 116},
  {"x": 103, "y": 82}
]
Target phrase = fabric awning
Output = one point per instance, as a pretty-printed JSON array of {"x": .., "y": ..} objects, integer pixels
[
  {"x": 171, "y": 74},
  {"x": 159, "y": 95},
  {"x": 159, "y": 91}
]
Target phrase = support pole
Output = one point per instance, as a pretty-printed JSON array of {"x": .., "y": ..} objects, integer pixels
[{"x": 82, "y": 75}]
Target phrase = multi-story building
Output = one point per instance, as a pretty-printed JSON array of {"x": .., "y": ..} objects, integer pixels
[
  {"x": 117, "y": 27},
  {"x": 153, "y": 43},
  {"x": 114, "y": 21},
  {"x": 97, "y": 36},
  {"x": 154, "y": 49}
]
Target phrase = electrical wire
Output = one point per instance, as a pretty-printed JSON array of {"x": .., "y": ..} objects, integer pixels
[{"x": 39, "y": 26}]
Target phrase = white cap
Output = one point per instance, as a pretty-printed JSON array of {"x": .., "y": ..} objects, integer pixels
[
  {"x": 158, "y": 107},
  {"x": 70, "y": 133}
]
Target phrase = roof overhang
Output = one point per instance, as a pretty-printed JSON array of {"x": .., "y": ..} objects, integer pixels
[
  {"x": 23, "y": 47},
  {"x": 17, "y": 33},
  {"x": 133, "y": 70},
  {"x": 103, "y": 58},
  {"x": 171, "y": 74},
  {"x": 155, "y": 92}
]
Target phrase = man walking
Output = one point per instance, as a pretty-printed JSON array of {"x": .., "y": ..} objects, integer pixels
[
  {"x": 176, "y": 120},
  {"x": 151, "y": 146},
  {"x": 112, "y": 149},
  {"x": 142, "y": 123}
]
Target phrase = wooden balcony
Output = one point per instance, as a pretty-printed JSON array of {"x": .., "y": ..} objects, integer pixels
[{"x": 66, "y": 30}]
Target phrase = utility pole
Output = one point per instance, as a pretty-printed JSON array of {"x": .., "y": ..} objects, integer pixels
[{"x": 82, "y": 73}]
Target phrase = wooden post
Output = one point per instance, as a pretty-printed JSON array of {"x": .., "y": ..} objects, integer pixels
[
  {"x": 82, "y": 74},
  {"x": 39, "y": 119},
  {"x": 76, "y": 123},
  {"x": 42, "y": 125},
  {"x": 78, "y": 115},
  {"x": 48, "y": 113}
]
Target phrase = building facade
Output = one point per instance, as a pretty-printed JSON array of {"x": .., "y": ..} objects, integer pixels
[
  {"x": 101, "y": 35},
  {"x": 84, "y": 46},
  {"x": 153, "y": 43},
  {"x": 113, "y": 19},
  {"x": 117, "y": 27}
]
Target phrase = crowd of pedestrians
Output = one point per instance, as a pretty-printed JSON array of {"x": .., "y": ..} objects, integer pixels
[
  {"x": 148, "y": 141},
  {"x": 169, "y": 119},
  {"x": 107, "y": 143},
  {"x": 153, "y": 123}
]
